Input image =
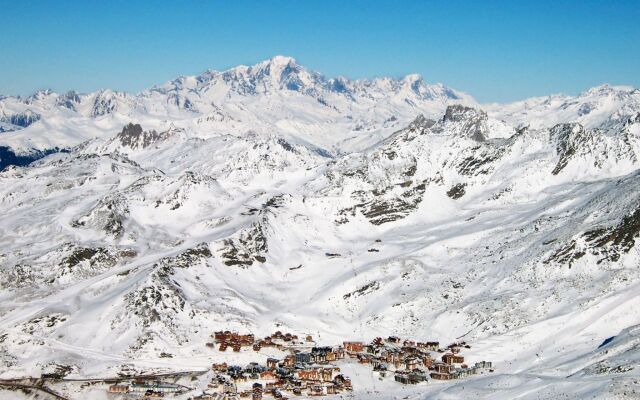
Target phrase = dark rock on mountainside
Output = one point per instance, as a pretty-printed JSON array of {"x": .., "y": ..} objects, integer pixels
[
  {"x": 606, "y": 243},
  {"x": 457, "y": 191},
  {"x": 23, "y": 119},
  {"x": 379, "y": 209},
  {"x": 8, "y": 157},
  {"x": 249, "y": 246},
  {"x": 569, "y": 137},
  {"x": 90, "y": 255},
  {"x": 473, "y": 121},
  {"x": 134, "y": 137}
]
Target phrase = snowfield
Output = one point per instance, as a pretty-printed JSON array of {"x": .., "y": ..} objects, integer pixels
[{"x": 269, "y": 197}]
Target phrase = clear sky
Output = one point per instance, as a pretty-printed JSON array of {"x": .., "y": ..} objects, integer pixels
[{"x": 493, "y": 50}]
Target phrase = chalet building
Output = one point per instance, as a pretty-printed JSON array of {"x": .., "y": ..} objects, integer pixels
[
  {"x": 433, "y": 346},
  {"x": 320, "y": 354},
  {"x": 450, "y": 358},
  {"x": 342, "y": 381},
  {"x": 443, "y": 368},
  {"x": 339, "y": 351},
  {"x": 268, "y": 375},
  {"x": 221, "y": 336},
  {"x": 409, "y": 343},
  {"x": 484, "y": 365},
  {"x": 303, "y": 358},
  {"x": 392, "y": 356},
  {"x": 364, "y": 359},
  {"x": 412, "y": 363},
  {"x": 353, "y": 347},
  {"x": 464, "y": 372},
  {"x": 410, "y": 378},
  {"x": 229, "y": 388},
  {"x": 289, "y": 361},
  {"x": 331, "y": 356},
  {"x": 315, "y": 374},
  {"x": 119, "y": 389},
  {"x": 256, "y": 391},
  {"x": 441, "y": 376},
  {"x": 234, "y": 337},
  {"x": 254, "y": 367},
  {"x": 272, "y": 363}
]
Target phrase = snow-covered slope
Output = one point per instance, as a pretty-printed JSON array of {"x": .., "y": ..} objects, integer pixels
[
  {"x": 268, "y": 197},
  {"x": 594, "y": 107}
]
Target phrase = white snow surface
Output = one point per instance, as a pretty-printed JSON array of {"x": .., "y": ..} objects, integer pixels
[{"x": 269, "y": 197}]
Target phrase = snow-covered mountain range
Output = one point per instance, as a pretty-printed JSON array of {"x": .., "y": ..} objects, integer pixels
[{"x": 269, "y": 197}]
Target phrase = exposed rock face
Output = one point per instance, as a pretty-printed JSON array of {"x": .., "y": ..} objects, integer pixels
[
  {"x": 614, "y": 143},
  {"x": 133, "y": 137},
  {"x": 456, "y": 191},
  {"x": 108, "y": 216},
  {"x": 611, "y": 242},
  {"x": 23, "y": 119},
  {"x": 69, "y": 100},
  {"x": 420, "y": 125},
  {"x": 569, "y": 139},
  {"x": 380, "y": 209},
  {"x": 92, "y": 256},
  {"x": 473, "y": 120},
  {"x": 245, "y": 249},
  {"x": 105, "y": 103}
]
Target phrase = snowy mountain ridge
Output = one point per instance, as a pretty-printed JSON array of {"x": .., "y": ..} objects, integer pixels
[{"x": 268, "y": 197}]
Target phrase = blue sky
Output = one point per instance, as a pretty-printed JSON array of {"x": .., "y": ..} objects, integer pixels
[{"x": 494, "y": 50}]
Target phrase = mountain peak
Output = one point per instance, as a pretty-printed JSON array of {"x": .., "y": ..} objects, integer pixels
[
  {"x": 607, "y": 89},
  {"x": 458, "y": 113},
  {"x": 282, "y": 61}
]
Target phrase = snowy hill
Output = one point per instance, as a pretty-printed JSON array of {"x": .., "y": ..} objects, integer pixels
[{"x": 270, "y": 197}]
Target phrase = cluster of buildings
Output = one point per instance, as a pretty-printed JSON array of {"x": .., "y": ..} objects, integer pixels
[
  {"x": 279, "y": 340},
  {"x": 236, "y": 382},
  {"x": 299, "y": 373},
  {"x": 305, "y": 369},
  {"x": 310, "y": 370},
  {"x": 414, "y": 362}
]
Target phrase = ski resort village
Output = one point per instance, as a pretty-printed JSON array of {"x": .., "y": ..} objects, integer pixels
[{"x": 291, "y": 366}]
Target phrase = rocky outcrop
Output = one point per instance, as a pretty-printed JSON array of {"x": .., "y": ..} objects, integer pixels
[
  {"x": 134, "y": 137},
  {"x": 247, "y": 247},
  {"x": 23, "y": 119}
]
